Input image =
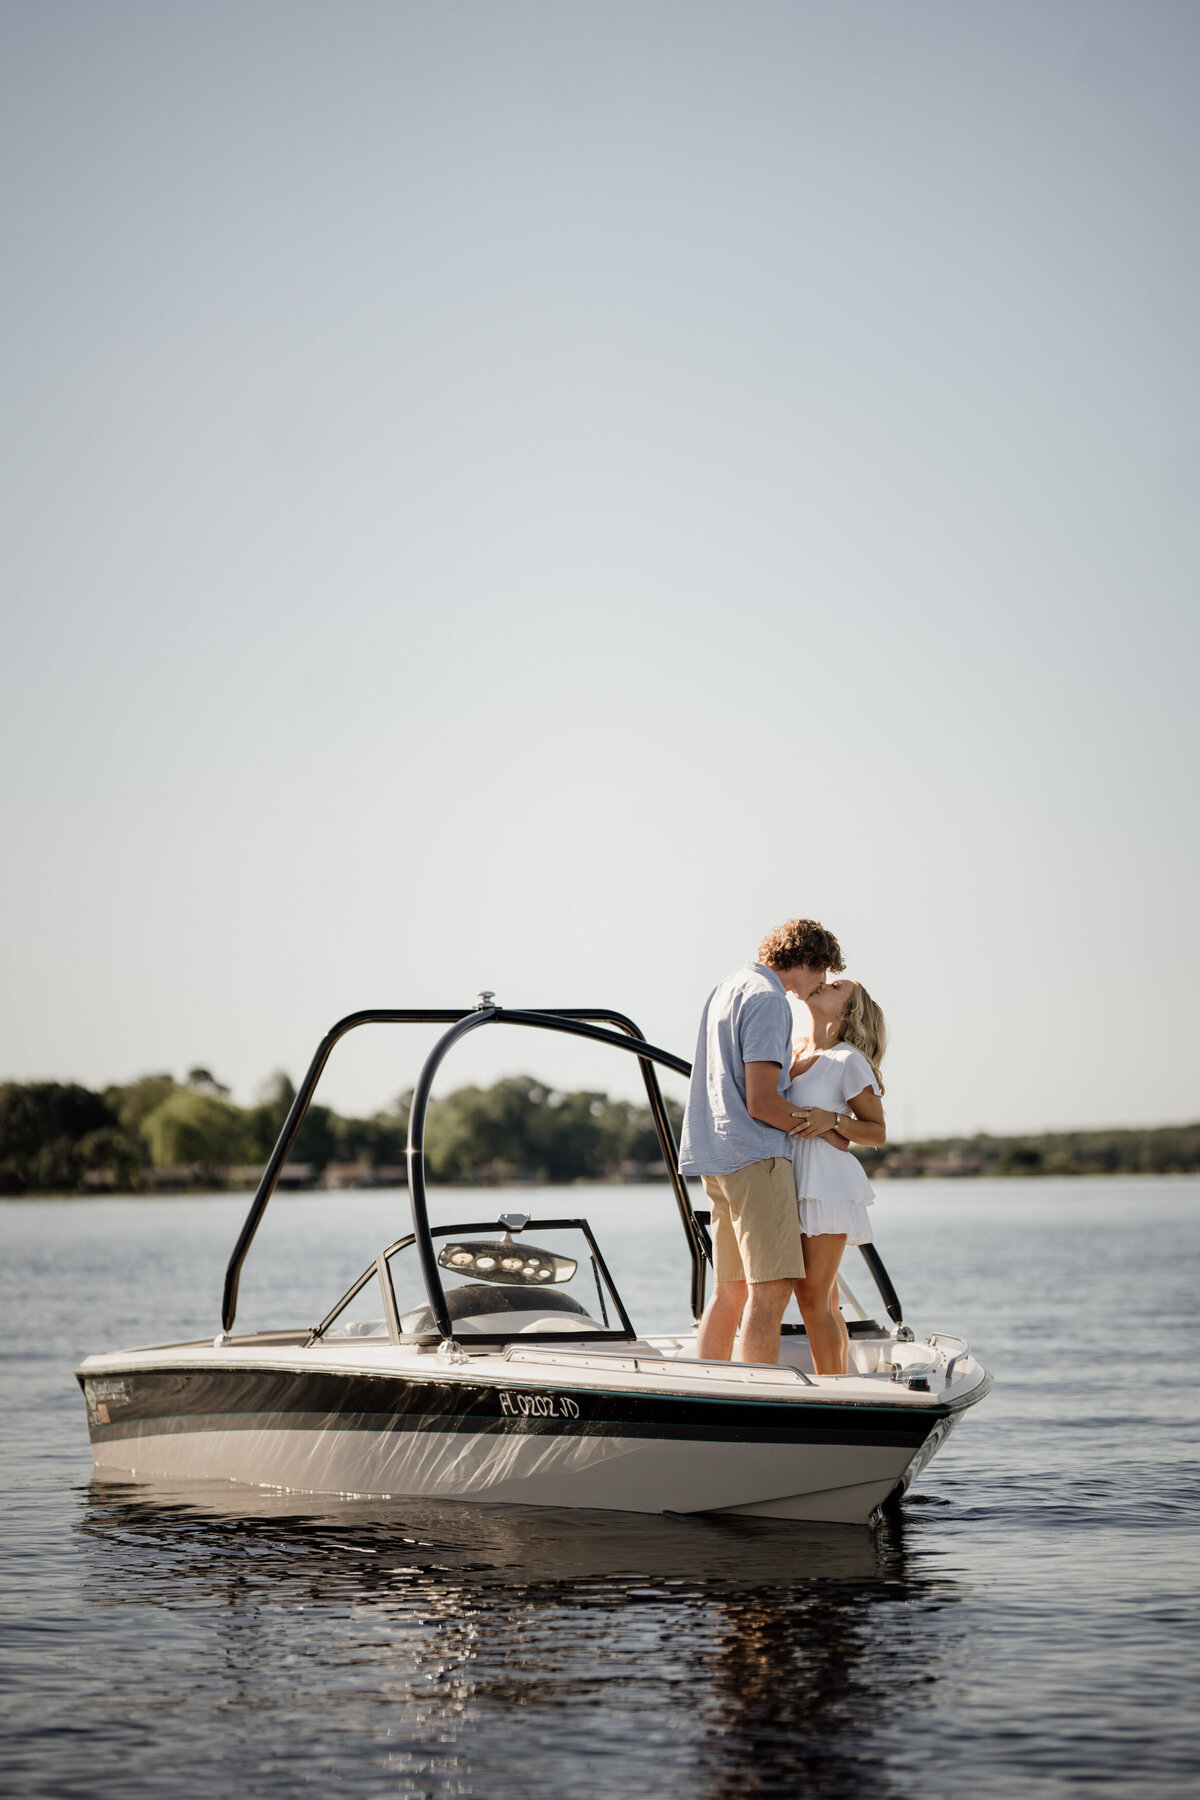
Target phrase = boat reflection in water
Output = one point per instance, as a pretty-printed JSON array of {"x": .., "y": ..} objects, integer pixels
[{"x": 430, "y": 1645}]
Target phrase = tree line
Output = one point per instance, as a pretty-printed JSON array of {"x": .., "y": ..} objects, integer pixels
[
  {"x": 1145, "y": 1150},
  {"x": 60, "y": 1137}
]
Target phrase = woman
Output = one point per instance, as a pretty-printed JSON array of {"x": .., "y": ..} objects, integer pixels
[{"x": 835, "y": 1083}]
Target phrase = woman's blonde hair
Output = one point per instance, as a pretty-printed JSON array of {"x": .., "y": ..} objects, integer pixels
[{"x": 863, "y": 1027}]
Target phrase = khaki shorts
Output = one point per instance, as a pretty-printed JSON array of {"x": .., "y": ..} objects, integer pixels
[{"x": 756, "y": 1222}]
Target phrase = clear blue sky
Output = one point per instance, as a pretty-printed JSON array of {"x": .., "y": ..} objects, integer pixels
[{"x": 534, "y": 494}]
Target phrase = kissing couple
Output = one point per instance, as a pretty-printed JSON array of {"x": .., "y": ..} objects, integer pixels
[{"x": 768, "y": 1126}]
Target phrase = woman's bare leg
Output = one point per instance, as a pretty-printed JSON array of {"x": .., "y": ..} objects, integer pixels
[
  {"x": 816, "y": 1295},
  {"x": 838, "y": 1320}
]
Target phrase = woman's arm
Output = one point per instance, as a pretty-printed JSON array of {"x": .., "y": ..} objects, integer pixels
[
  {"x": 866, "y": 1125},
  {"x": 863, "y": 1124}
]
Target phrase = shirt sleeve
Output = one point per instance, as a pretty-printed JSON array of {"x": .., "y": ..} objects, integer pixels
[
  {"x": 765, "y": 1030},
  {"x": 857, "y": 1074}
]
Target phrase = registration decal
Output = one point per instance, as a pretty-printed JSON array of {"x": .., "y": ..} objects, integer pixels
[{"x": 538, "y": 1406}]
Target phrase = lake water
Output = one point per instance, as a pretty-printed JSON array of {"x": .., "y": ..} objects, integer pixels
[{"x": 1025, "y": 1623}]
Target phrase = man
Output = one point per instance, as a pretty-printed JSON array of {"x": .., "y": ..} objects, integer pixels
[{"x": 735, "y": 1135}]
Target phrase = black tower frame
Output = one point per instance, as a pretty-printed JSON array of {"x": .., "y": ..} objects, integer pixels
[{"x": 593, "y": 1023}]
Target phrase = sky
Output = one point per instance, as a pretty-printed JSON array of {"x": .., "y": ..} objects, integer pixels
[{"x": 531, "y": 494}]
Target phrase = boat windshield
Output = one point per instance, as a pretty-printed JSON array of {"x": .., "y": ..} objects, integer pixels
[{"x": 361, "y": 1315}]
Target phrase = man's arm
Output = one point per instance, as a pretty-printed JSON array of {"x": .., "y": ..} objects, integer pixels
[
  {"x": 766, "y": 1103},
  {"x": 764, "y": 1100}
]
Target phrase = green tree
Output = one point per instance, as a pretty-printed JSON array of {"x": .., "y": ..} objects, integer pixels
[
  {"x": 480, "y": 1133},
  {"x": 380, "y": 1141},
  {"x": 205, "y": 1082},
  {"x": 520, "y": 1128},
  {"x": 317, "y": 1142},
  {"x": 576, "y": 1135},
  {"x": 115, "y": 1152},
  {"x": 132, "y": 1102},
  {"x": 1020, "y": 1158},
  {"x": 193, "y": 1130},
  {"x": 640, "y": 1139},
  {"x": 43, "y": 1125}
]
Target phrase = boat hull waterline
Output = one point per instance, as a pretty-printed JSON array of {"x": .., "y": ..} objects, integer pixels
[{"x": 618, "y": 1445}]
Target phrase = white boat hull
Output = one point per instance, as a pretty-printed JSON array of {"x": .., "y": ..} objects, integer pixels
[
  {"x": 780, "y": 1451},
  {"x": 844, "y": 1483}
]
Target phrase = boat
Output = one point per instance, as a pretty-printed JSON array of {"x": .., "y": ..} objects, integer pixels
[{"x": 493, "y": 1360}]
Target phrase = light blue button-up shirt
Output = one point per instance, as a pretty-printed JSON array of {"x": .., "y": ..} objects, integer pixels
[{"x": 746, "y": 1018}]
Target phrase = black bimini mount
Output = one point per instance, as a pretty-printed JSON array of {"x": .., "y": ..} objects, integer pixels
[{"x": 584, "y": 1022}]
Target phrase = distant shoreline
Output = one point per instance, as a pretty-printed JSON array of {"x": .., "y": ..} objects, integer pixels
[
  {"x": 160, "y": 1136},
  {"x": 208, "y": 1191}
]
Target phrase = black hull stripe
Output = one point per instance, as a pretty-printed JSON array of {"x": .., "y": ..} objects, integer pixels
[
  {"x": 388, "y": 1424},
  {"x": 141, "y": 1402}
]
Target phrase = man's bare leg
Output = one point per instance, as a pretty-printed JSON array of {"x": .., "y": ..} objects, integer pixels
[
  {"x": 718, "y": 1326},
  {"x": 763, "y": 1317}
]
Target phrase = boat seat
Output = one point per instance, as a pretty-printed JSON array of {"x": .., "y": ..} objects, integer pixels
[{"x": 486, "y": 1309}]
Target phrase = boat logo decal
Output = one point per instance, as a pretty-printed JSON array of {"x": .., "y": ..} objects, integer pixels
[
  {"x": 538, "y": 1406},
  {"x": 100, "y": 1395}
]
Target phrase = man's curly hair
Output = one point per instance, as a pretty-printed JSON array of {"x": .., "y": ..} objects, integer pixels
[{"x": 801, "y": 941}]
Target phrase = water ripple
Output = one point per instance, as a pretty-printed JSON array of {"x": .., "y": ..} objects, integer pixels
[{"x": 1024, "y": 1623}]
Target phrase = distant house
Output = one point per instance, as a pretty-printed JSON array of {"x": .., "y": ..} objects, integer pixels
[
  {"x": 901, "y": 1165},
  {"x": 953, "y": 1163},
  {"x": 910, "y": 1165},
  {"x": 364, "y": 1175},
  {"x": 247, "y": 1175}
]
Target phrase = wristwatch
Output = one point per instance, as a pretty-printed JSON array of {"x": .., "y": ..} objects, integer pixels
[{"x": 837, "y": 1121}]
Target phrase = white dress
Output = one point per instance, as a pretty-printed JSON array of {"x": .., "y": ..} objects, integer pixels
[{"x": 831, "y": 1185}]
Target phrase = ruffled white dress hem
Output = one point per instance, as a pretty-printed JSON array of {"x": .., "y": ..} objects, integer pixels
[{"x": 833, "y": 1218}]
